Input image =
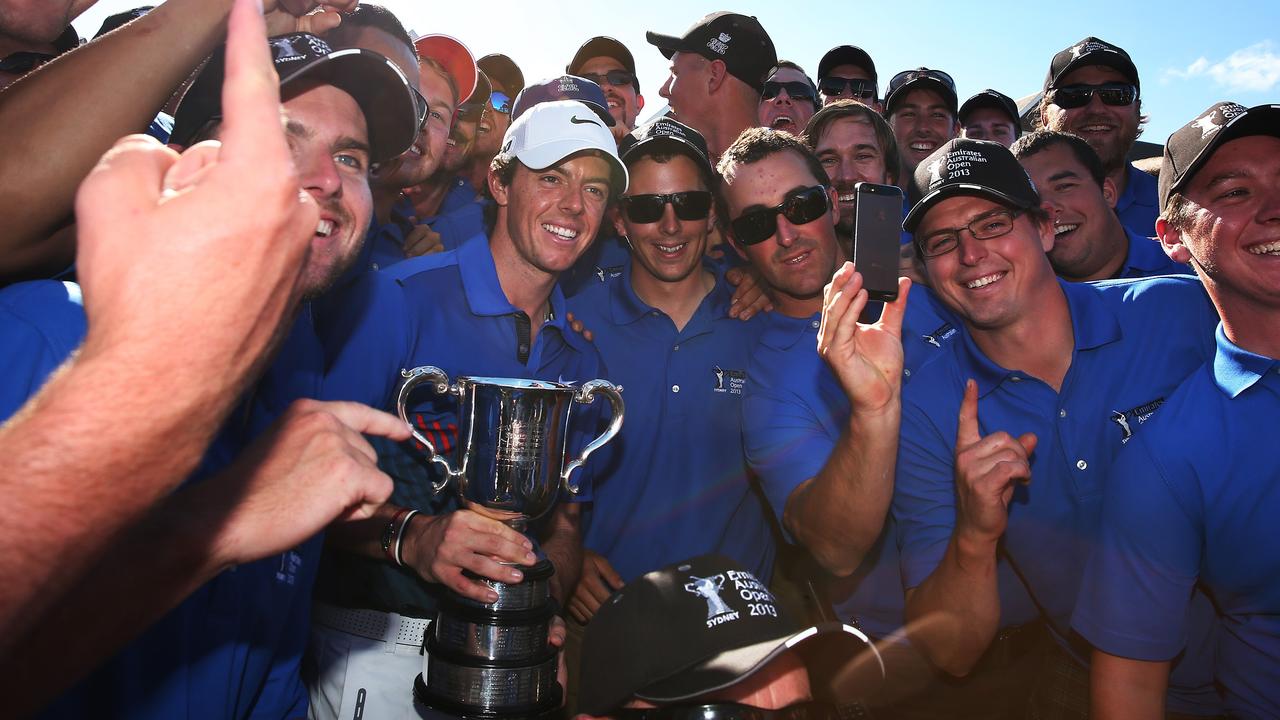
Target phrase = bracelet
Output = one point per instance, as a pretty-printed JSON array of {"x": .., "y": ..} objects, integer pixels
[
  {"x": 391, "y": 534},
  {"x": 399, "y": 550}
]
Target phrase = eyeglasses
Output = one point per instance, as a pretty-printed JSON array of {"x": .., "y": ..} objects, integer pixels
[
  {"x": 809, "y": 710},
  {"x": 689, "y": 205},
  {"x": 987, "y": 226},
  {"x": 1076, "y": 96},
  {"x": 907, "y": 76},
  {"x": 796, "y": 90},
  {"x": 616, "y": 78},
  {"x": 501, "y": 102},
  {"x": 23, "y": 61},
  {"x": 832, "y": 86},
  {"x": 421, "y": 108},
  {"x": 800, "y": 207}
]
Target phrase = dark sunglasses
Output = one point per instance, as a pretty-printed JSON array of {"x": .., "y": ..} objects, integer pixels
[
  {"x": 23, "y": 61},
  {"x": 1077, "y": 96},
  {"x": 799, "y": 208},
  {"x": 832, "y": 86},
  {"x": 468, "y": 113},
  {"x": 808, "y": 710},
  {"x": 616, "y": 78},
  {"x": 421, "y": 108},
  {"x": 501, "y": 102},
  {"x": 796, "y": 90},
  {"x": 689, "y": 205},
  {"x": 908, "y": 75}
]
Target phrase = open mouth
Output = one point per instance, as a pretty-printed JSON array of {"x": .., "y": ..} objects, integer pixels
[
  {"x": 671, "y": 249},
  {"x": 325, "y": 228},
  {"x": 984, "y": 281},
  {"x": 783, "y": 123},
  {"x": 1063, "y": 229},
  {"x": 560, "y": 231},
  {"x": 923, "y": 147},
  {"x": 797, "y": 259},
  {"x": 1267, "y": 248}
]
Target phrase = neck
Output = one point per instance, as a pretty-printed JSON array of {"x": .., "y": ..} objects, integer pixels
[
  {"x": 1254, "y": 328},
  {"x": 1038, "y": 343},
  {"x": 797, "y": 307},
  {"x": 383, "y": 200},
  {"x": 680, "y": 299},
  {"x": 1120, "y": 176},
  {"x": 734, "y": 114},
  {"x": 526, "y": 287}
]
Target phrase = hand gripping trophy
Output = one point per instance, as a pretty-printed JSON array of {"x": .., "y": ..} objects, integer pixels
[{"x": 491, "y": 661}]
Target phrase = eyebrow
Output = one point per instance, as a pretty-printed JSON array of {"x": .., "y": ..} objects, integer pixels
[
  {"x": 349, "y": 143},
  {"x": 1227, "y": 176},
  {"x": 1063, "y": 175},
  {"x": 758, "y": 206},
  {"x": 346, "y": 142}
]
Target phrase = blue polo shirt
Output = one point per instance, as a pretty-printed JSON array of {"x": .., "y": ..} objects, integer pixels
[
  {"x": 1146, "y": 258},
  {"x": 41, "y": 323},
  {"x": 794, "y": 412},
  {"x": 1196, "y": 499},
  {"x": 604, "y": 259},
  {"x": 384, "y": 243},
  {"x": 1139, "y": 205},
  {"x": 459, "y": 225},
  {"x": 1128, "y": 358},
  {"x": 460, "y": 193},
  {"x": 677, "y": 483},
  {"x": 447, "y": 310}
]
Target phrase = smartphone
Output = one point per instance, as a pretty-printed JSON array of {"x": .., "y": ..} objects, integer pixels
[{"x": 877, "y": 233}]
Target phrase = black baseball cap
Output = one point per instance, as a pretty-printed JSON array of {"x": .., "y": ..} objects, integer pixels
[
  {"x": 565, "y": 87},
  {"x": 603, "y": 46},
  {"x": 687, "y": 630},
  {"x": 673, "y": 135},
  {"x": 970, "y": 167},
  {"x": 737, "y": 40},
  {"x": 847, "y": 55},
  {"x": 1091, "y": 51},
  {"x": 114, "y": 21},
  {"x": 920, "y": 78},
  {"x": 376, "y": 84},
  {"x": 503, "y": 71},
  {"x": 1191, "y": 146},
  {"x": 992, "y": 99}
]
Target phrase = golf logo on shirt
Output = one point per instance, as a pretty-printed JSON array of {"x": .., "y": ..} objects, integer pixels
[
  {"x": 729, "y": 381},
  {"x": 1127, "y": 419},
  {"x": 935, "y": 338}
]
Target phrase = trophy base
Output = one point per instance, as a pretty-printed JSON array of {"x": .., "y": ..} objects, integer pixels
[{"x": 547, "y": 709}]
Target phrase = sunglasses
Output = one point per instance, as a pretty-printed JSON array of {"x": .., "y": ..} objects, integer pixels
[
  {"x": 908, "y": 75},
  {"x": 1077, "y": 96},
  {"x": 808, "y": 710},
  {"x": 23, "y": 61},
  {"x": 616, "y": 78},
  {"x": 689, "y": 205},
  {"x": 421, "y": 108},
  {"x": 832, "y": 86},
  {"x": 501, "y": 102},
  {"x": 800, "y": 207},
  {"x": 796, "y": 90}
]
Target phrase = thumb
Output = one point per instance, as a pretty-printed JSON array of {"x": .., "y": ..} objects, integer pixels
[
  {"x": 967, "y": 432},
  {"x": 1028, "y": 442}
]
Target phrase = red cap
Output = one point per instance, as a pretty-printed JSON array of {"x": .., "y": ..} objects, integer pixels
[{"x": 454, "y": 56}]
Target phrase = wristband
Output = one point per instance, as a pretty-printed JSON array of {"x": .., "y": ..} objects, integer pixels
[
  {"x": 391, "y": 534},
  {"x": 398, "y": 553}
]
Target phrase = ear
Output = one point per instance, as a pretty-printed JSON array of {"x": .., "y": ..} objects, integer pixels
[
  {"x": 639, "y": 102},
  {"x": 835, "y": 203},
  {"x": 497, "y": 189},
  {"x": 1109, "y": 192},
  {"x": 717, "y": 74},
  {"x": 615, "y": 217},
  {"x": 1171, "y": 240},
  {"x": 1045, "y": 226}
]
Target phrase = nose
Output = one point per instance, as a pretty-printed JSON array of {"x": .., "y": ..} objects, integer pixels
[
  {"x": 971, "y": 249},
  {"x": 669, "y": 224},
  {"x": 665, "y": 90},
  {"x": 320, "y": 176},
  {"x": 1269, "y": 210},
  {"x": 782, "y": 97},
  {"x": 787, "y": 233},
  {"x": 571, "y": 200}
]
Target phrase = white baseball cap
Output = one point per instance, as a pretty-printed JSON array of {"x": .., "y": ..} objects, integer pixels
[{"x": 552, "y": 131}]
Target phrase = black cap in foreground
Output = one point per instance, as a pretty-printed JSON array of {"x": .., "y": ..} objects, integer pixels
[
  {"x": 687, "y": 630},
  {"x": 970, "y": 167},
  {"x": 737, "y": 40},
  {"x": 672, "y": 135},
  {"x": 1091, "y": 51},
  {"x": 920, "y": 79},
  {"x": 846, "y": 55},
  {"x": 374, "y": 82},
  {"x": 1191, "y": 146}
]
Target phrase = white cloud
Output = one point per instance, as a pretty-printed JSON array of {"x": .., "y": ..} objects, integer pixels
[{"x": 1252, "y": 69}]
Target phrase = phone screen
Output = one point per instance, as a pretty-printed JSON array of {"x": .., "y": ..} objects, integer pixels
[{"x": 877, "y": 231}]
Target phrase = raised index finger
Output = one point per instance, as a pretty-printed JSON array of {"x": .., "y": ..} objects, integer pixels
[
  {"x": 967, "y": 432},
  {"x": 251, "y": 129},
  {"x": 367, "y": 421}
]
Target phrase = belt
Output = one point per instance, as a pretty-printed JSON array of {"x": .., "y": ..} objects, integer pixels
[{"x": 372, "y": 624}]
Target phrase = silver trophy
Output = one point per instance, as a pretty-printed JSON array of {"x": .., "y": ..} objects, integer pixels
[{"x": 491, "y": 660}]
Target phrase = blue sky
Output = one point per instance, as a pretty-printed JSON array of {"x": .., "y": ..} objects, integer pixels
[{"x": 1189, "y": 54}]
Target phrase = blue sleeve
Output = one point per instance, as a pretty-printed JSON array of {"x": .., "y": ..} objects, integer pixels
[
  {"x": 365, "y": 331},
  {"x": 924, "y": 500},
  {"x": 783, "y": 440},
  {"x": 1136, "y": 595},
  {"x": 40, "y": 326}
]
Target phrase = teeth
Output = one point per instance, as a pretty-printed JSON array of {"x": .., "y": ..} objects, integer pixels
[
  {"x": 1060, "y": 229},
  {"x": 671, "y": 249},
  {"x": 613, "y": 104},
  {"x": 1271, "y": 248},
  {"x": 784, "y": 120},
  {"x": 1095, "y": 128},
  {"x": 563, "y": 232},
  {"x": 922, "y": 146},
  {"x": 451, "y": 142},
  {"x": 983, "y": 281},
  {"x": 798, "y": 259},
  {"x": 324, "y": 228},
  {"x": 848, "y": 197},
  {"x": 415, "y": 150}
]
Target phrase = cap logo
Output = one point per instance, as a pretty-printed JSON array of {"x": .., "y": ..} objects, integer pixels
[
  {"x": 760, "y": 602},
  {"x": 567, "y": 86},
  {"x": 719, "y": 45},
  {"x": 583, "y": 121},
  {"x": 1086, "y": 48},
  {"x": 956, "y": 164},
  {"x": 708, "y": 589}
]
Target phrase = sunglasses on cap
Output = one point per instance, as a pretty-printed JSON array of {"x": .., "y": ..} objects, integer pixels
[
  {"x": 808, "y": 710},
  {"x": 616, "y": 78},
  {"x": 1077, "y": 96},
  {"x": 501, "y": 102},
  {"x": 23, "y": 61},
  {"x": 796, "y": 90},
  {"x": 799, "y": 207},
  {"x": 858, "y": 87},
  {"x": 908, "y": 75},
  {"x": 689, "y": 205}
]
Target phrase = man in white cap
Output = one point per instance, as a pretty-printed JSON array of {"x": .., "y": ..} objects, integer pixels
[{"x": 489, "y": 308}]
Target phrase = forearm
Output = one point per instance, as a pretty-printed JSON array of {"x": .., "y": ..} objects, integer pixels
[
  {"x": 954, "y": 614},
  {"x": 364, "y": 537},
  {"x": 1125, "y": 689},
  {"x": 121, "y": 81},
  {"x": 839, "y": 513},
  {"x": 562, "y": 542}
]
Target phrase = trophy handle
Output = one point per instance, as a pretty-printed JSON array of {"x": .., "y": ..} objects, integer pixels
[
  {"x": 586, "y": 395},
  {"x": 412, "y": 379}
]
